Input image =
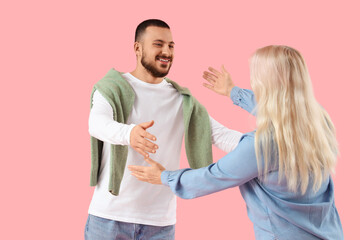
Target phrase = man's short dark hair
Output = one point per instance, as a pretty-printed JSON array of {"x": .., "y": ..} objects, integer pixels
[{"x": 148, "y": 23}]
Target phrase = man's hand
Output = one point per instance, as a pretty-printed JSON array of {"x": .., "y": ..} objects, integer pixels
[
  {"x": 150, "y": 174},
  {"x": 139, "y": 139},
  {"x": 220, "y": 82}
]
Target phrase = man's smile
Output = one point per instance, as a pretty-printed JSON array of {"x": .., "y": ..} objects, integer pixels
[{"x": 164, "y": 60}]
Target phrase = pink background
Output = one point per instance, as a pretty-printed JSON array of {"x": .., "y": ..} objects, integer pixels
[{"x": 52, "y": 52}]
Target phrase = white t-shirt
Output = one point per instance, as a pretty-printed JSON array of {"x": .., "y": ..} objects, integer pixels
[{"x": 140, "y": 202}]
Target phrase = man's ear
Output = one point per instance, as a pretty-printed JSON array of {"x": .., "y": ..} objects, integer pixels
[{"x": 137, "y": 49}]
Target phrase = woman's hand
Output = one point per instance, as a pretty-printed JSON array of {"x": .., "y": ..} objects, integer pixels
[
  {"x": 220, "y": 82},
  {"x": 150, "y": 174}
]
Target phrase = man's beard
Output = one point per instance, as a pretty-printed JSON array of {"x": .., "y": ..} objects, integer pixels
[{"x": 151, "y": 68}]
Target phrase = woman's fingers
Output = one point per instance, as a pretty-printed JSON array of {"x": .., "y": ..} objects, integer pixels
[
  {"x": 145, "y": 178},
  {"x": 210, "y": 79},
  {"x": 211, "y": 87},
  {"x": 214, "y": 71},
  {"x": 148, "y": 174},
  {"x": 210, "y": 74},
  {"x": 139, "y": 176},
  {"x": 139, "y": 169}
]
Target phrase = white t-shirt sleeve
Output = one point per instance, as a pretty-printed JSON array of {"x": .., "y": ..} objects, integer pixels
[
  {"x": 102, "y": 125},
  {"x": 224, "y": 138}
]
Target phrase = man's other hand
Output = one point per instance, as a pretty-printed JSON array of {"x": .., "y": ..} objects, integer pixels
[{"x": 139, "y": 139}]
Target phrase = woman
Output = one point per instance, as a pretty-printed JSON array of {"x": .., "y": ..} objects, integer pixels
[{"x": 283, "y": 168}]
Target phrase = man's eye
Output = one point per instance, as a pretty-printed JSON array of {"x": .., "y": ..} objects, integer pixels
[
  {"x": 171, "y": 46},
  {"x": 158, "y": 44}
]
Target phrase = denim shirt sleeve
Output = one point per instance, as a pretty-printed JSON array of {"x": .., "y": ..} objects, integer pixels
[
  {"x": 244, "y": 98},
  {"x": 234, "y": 169}
]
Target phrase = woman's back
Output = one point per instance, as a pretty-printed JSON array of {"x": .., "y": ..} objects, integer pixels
[{"x": 280, "y": 213}]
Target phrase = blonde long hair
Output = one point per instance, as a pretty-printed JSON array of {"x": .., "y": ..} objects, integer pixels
[{"x": 290, "y": 121}]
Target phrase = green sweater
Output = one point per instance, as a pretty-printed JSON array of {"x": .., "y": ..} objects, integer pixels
[{"x": 120, "y": 95}]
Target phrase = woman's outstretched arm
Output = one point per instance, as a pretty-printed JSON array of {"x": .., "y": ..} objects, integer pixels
[{"x": 234, "y": 169}]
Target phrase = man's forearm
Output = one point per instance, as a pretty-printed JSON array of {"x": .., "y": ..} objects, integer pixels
[
  {"x": 102, "y": 125},
  {"x": 224, "y": 138}
]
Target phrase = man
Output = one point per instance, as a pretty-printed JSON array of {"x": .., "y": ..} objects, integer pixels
[{"x": 124, "y": 107}]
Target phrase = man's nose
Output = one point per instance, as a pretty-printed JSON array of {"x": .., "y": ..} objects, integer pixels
[{"x": 166, "y": 51}]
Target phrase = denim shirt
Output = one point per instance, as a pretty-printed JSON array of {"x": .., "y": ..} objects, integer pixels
[{"x": 276, "y": 212}]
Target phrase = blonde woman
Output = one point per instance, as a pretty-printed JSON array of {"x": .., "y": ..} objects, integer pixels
[{"x": 283, "y": 169}]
